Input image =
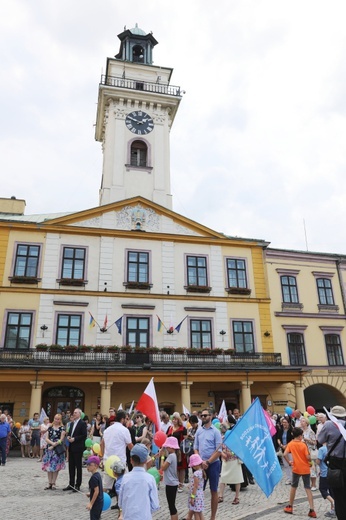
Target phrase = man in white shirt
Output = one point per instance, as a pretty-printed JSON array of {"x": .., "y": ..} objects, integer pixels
[
  {"x": 115, "y": 440},
  {"x": 165, "y": 422}
]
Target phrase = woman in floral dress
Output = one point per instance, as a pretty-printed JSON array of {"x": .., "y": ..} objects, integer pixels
[{"x": 51, "y": 461}]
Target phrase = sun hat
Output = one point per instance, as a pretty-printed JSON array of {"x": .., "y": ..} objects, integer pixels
[
  {"x": 118, "y": 467},
  {"x": 141, "y": 451},
  {"x": 338, "y": 411},
  {"x": 195, "y": 460},
  {"x": 171, "y": 442},
  {"x": 93, "y": 460}
]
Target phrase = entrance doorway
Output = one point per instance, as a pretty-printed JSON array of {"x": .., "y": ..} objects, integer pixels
[{"x": 62, "y": 398}]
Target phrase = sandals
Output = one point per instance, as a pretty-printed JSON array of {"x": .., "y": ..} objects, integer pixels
[
  {"x": 235, "y": 501},
  {"x": 220, "y": 500},
  {"x": 48, "y": 487},
  {"x": 53, "y": 487}
]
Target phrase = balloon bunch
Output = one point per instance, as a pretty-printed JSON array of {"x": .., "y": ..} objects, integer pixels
[
  {"x": 309, "y": 414},
  {"x": 92, "y": 448},
  {"x": 216, "y": 423}
]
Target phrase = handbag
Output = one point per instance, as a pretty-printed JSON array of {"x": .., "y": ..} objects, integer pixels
[
  {"x": 60, "y": 449},
  {"x": 186, "y": 447},
  {"x": 335, "y": 478},
  {"x": 313, "y": 453}
]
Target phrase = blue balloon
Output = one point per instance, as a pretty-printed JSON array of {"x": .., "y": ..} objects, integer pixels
[
  {"x": 288, "y": 410},
  {"x": 106, "y": 502},
  {"x": 215, "y": 421}
]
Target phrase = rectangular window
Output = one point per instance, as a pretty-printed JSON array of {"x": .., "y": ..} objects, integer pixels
[
  {"x": 325, "y": 292},
  {"x": 27, "y": 259},
  {"x": 68, "y": 331},
  {"x": 137, "y": 332},
  {"x": 18, "y": 330},
  {"x": 137, "y": 267},
  {"x": 289, "y": 289},
  {"x": 200, "y": 334},
  {"x": 73, "y": 263},
  {"x": 243, "y": 337},
  {"x": 197, "y": 271},
  {"x": 296, "y": 349},
  {"x": 334, "y": 350},
  {"x": 236, "y": 273}
]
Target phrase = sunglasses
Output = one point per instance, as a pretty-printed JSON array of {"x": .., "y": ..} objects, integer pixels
[{"x": 205, "y": 415}]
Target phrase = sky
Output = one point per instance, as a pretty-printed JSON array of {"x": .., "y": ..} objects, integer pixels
[{"x": 258, "y": 144}]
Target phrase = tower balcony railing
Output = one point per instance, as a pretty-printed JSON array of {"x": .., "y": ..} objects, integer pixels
[{"x": 146, "y": 86}]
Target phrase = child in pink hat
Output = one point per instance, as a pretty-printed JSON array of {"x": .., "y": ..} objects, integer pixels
[
  {"x": 170, "y": 474},
  {"x": 196, "y": 498}
]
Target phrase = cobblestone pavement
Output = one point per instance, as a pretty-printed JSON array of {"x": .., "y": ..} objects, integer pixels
[{"x": 22, "y": 495}]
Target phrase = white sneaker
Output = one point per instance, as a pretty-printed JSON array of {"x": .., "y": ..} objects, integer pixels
[
  {"x": 330, "y": 514},
  {"x": 314, "y": 489},
  {"x": 288, "y": 483}
]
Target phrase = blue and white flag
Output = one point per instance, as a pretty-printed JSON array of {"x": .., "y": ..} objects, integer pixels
[{"x": 251, "y": 441}]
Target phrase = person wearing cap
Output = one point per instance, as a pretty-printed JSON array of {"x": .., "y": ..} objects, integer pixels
[
  {"x": 208, "y": 444},
  {"x": 138, "y": 497},
  {"x": 331, "y": 434},
  {"x": 170, "y": 474},
  {"x": 95, "y": 505},
  {"x": 118, "y": 468}
]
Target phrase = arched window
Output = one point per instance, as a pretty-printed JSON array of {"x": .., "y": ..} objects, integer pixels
[{"x": 139, "y": 154}]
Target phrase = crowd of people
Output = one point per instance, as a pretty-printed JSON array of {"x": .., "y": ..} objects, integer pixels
[{"x": 193, "y": 453}]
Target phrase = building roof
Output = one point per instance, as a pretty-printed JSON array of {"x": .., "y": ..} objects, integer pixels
[{"x": 32, "y": 218}]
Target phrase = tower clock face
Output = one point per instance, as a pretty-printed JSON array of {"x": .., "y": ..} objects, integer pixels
[{"x": 139, "y": 122}]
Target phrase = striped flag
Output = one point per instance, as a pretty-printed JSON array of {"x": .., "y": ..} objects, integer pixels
[
  {"x": 148, "y": 405},
  {"x": 92, "y": 321},
  {"x": 159, "y": 324}
]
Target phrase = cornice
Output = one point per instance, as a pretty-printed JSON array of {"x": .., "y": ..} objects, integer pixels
[{"x": 125, "y": 295}]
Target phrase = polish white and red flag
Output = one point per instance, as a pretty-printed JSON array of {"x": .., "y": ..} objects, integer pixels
[{"x": 147, "y": 404}]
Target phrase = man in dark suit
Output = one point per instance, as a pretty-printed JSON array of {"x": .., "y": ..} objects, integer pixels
[{"x": 76, "y": 436}]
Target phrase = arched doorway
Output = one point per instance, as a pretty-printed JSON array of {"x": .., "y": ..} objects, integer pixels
[
  {"x": 62, "y": 398},
  {"x": 320, "y": 395}
]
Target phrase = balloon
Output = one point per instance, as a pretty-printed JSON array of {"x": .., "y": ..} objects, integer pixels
[
  {"x": 106, "y": 501},
  {"x": 82, "y": 415},
  {"x": 160, "y": 438},
  {"x": 88, "y": 443},
  {"x": 18, "y": 425},
  {"x": 312, "y": 419},
  {"x": 96, "y": 448},
  {"x": 108, "y": 464},
  {"x": 214, "y": 421},
  {"x": 217, "y": 425},
  {"x": 154, "y": 472},
  {"x": 311, "y": 410},
  {"x": 306, "y": 415},
  {"x": 87, "y": 453},
  {"x": 288, "y": 410}
]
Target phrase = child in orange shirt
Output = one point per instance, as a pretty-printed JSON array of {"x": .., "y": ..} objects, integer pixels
[{"x": 300, "y": 468}]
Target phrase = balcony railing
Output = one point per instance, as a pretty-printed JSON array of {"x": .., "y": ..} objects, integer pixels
[
  {"x": 135, "y": 84},
  {"x": 131, "y": 360}
]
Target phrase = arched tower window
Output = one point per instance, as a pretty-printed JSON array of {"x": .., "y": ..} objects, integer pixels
[
  {"x": 138, "y": 54},
  {"x": 139, "y": 154}
]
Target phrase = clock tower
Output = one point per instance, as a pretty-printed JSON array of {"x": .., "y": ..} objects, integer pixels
[{"x": 135, "y": 112}]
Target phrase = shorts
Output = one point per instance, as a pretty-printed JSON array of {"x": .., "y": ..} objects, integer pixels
[
  {"x": 213, "y": 475},
  {"x": 35, "y": 438},
  {"x": 295, "y": 480},
  {"x": 324, "y": 487}
]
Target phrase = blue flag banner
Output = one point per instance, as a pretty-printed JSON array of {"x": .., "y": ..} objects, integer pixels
[
  {"x": 251, "y": 441},
  {"x": 118, "y": 324}
]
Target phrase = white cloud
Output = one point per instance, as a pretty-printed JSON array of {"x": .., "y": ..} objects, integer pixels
[{"x": 258, "y": 141}]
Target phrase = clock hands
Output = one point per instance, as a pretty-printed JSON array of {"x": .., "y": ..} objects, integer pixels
[{"x": 135, "y": 120}]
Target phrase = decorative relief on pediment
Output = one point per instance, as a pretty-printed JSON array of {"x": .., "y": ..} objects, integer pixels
[
  {"x": 92, "y": 222},
  {"x": 138, "y": 217}
]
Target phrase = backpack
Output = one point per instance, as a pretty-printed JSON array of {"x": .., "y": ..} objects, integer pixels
[{"x": 186, "y": 447}]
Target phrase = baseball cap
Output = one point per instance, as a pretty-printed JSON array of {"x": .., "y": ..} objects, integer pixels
[
  {"x": 141, "y": 451},
  {"x": 93, "y": 460}
]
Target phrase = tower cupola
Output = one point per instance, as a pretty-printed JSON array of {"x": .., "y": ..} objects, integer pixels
[{"x": 136, "y": 46}]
